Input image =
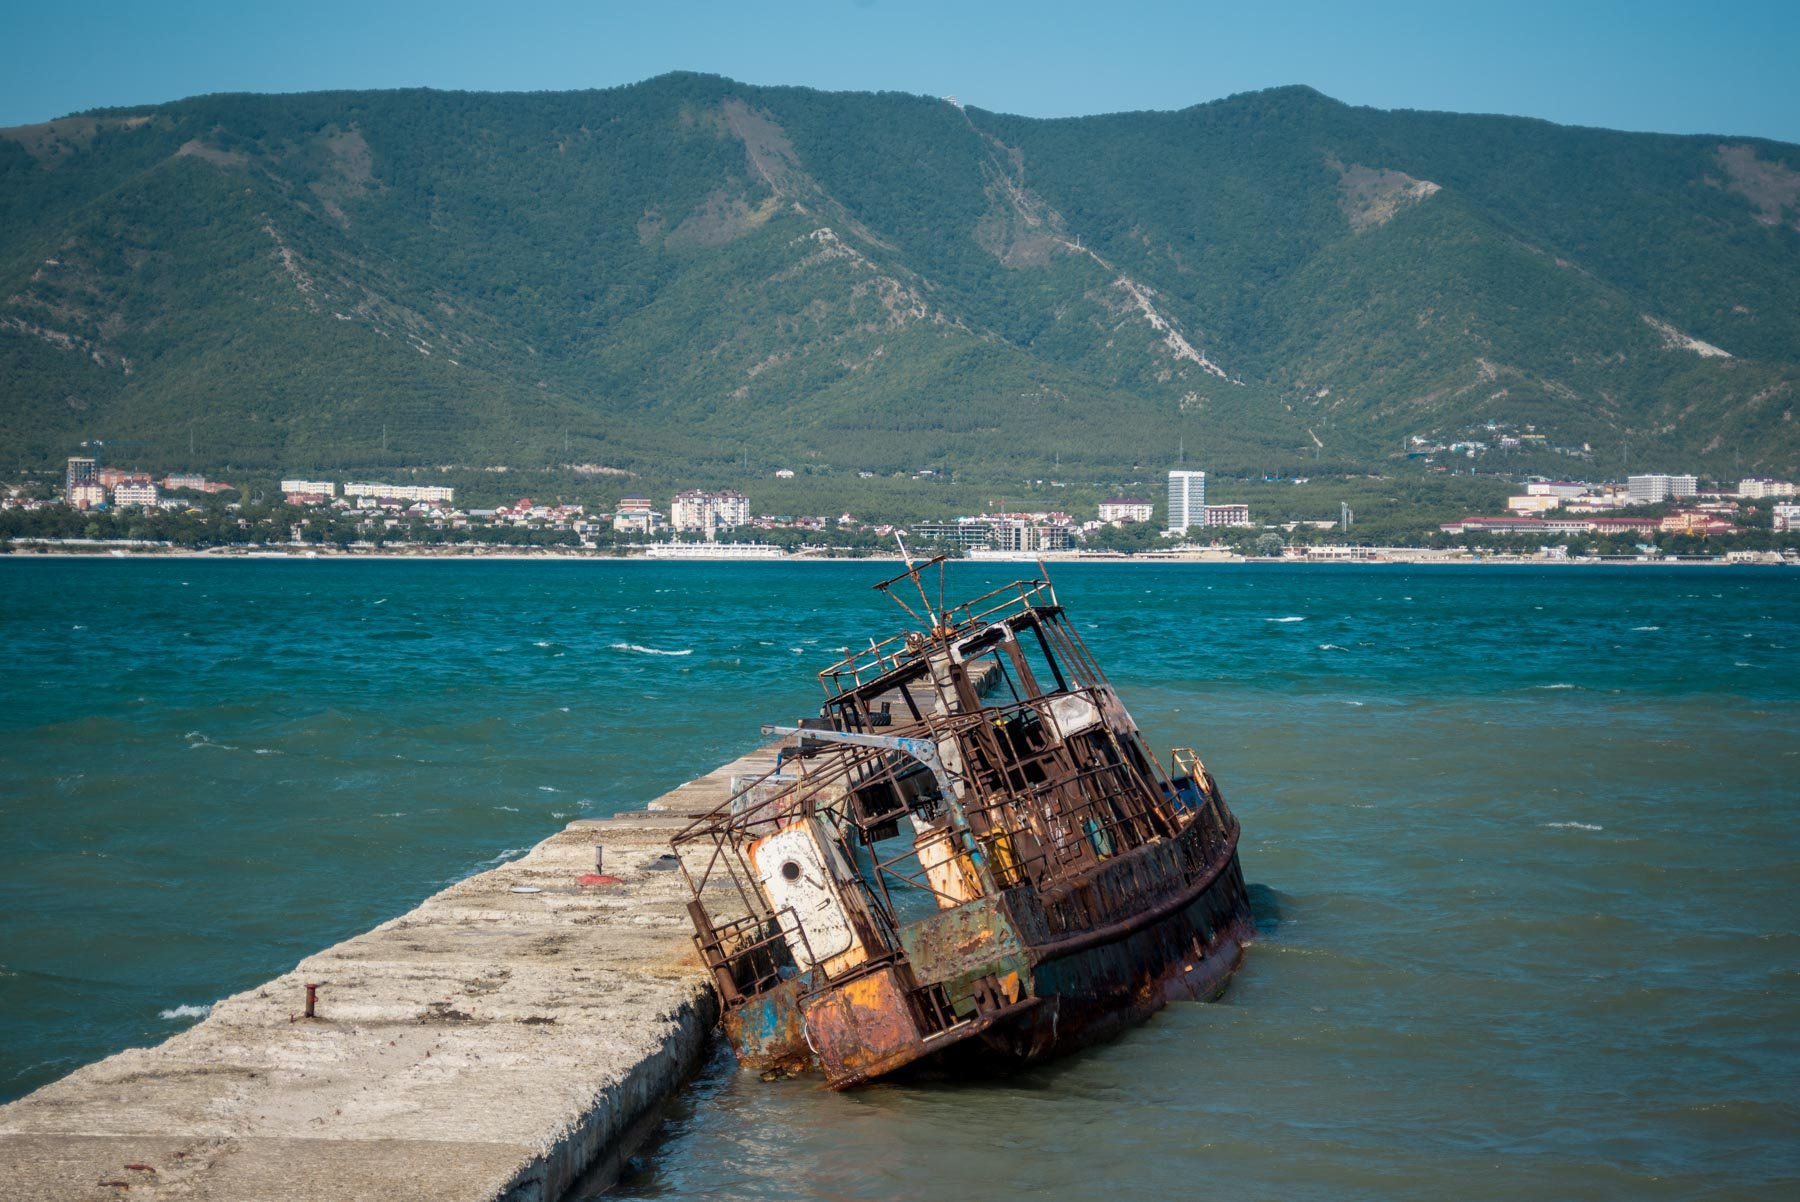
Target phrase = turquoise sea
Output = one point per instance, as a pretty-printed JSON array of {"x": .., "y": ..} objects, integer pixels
[{"x": 1521, "y": 843}]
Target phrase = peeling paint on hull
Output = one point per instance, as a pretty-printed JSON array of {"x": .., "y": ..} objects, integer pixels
[{"x": 935, "y": 879}]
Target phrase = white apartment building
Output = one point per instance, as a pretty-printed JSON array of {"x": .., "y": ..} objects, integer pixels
[
  {"x": 323, "y": 488},
  {"x": 1650, "y": 490},
  {"x": 134, "y": 493},
  {"x": 398, "y": 492},
  {"x": 1187, "y": 500},
  {"x": 1225, "y": 515},
  {"x": 86, "y": 494},
  {"x": 714, "y": 551},
  {"x": 1756, "y": 488},
  {"x": 635, "y": 516},
  {"x": 734, "y": 509},
  {"x": 1125, "y": 509},
  {"x": 963, "y": 532},
  {"x": 1018, "y": 534},
  {"x": 1566, "y": 490},
  {"x": 707, "y": 513},
  {"x": 1786, "y": 518}
]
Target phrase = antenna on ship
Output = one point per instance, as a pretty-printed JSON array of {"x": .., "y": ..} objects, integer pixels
[{"x": 912, "y": 572}]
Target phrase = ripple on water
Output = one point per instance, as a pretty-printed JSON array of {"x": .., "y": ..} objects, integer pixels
[{"x": 1572, "y": 903}]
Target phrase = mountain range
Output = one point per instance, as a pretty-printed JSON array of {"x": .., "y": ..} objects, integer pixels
[{"x": 696, "y": 272}]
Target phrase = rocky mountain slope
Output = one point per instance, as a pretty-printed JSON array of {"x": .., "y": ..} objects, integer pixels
[{"x": 692, "y": 270}]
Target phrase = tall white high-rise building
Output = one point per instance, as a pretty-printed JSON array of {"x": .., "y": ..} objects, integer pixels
[
  {"x": 1187, "y": 500},
  {"x": 1651, "y": 490},
  {"x": 709, "y": 512}
]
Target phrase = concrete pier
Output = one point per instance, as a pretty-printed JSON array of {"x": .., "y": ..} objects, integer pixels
[{"x": 511, "y": 1037}]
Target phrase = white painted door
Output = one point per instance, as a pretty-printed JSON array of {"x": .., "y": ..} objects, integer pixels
[{"x": 791, "y": 866}]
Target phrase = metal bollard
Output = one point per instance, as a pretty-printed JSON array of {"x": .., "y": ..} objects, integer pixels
[
  {"x": 312, "y": 999},
  {"x": 599, "y": 859}
]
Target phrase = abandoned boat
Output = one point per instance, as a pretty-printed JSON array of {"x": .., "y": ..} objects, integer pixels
[{"x": 969, "y": 858}]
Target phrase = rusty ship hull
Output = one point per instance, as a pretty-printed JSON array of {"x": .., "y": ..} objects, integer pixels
[
  {"x": 997, "y": 873},
  {"x": 1076, "y": 991}
]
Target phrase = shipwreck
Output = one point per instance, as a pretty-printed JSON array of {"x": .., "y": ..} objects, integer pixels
[{"x": 970, "y": 858}]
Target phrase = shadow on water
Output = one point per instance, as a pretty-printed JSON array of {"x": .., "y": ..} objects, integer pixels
[
  {"x": 1267, "y": 909},
  {"x": 644, "y": 1172}
]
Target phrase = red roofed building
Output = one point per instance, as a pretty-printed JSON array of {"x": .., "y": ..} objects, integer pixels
[{"x": 1693, "y": 522}]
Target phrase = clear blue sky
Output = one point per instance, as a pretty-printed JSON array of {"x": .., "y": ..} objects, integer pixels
[{"x": 1696, "y": 67}]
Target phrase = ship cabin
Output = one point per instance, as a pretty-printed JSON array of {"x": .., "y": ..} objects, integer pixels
[{"x": 967, "y": 791}]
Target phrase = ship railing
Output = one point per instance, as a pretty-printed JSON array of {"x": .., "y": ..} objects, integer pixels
[
  {"x": 714, "y": 849},
  {"x": 1008, "y": 599},
  {"x": 1193, "y": 791},
  {"x": 904, "y": 868},
  {"x": 751, "y": 955},
  {"x": 1090, "y": 816},
  {"x": 1074, "y": 818},
  {"x": 1105, "y": 806},
  {"x": 745, "y": 955},
  {"x": 879, "y": 658}
]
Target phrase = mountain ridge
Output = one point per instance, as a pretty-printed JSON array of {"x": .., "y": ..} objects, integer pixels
[{"x": 688, "y": 269}]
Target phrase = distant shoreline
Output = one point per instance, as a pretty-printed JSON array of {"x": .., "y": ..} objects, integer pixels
[{"x": 1397, "y": 557}]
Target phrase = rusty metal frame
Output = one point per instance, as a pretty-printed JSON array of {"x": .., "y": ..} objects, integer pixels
[{"x": 1086, "y": 823}]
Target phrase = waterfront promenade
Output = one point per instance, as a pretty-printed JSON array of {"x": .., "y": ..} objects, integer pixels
[{"x": 511, "y": 1037}]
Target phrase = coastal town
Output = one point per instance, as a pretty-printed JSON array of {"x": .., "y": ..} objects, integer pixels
[{"x": 1754, "y": 519}]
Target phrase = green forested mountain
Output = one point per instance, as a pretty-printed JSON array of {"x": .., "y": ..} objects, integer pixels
[{"x": 693, "y": 271}]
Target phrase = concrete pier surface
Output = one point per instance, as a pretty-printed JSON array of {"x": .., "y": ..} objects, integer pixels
[{"x": 510, "y": 1038}]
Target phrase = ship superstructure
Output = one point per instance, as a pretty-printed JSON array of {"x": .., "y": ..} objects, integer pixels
[{"x": 970, "y": 855}]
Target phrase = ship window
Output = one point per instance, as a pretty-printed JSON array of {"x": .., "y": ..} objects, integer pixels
[
  {"x": 791, "y": 870},
  {"x": 1062, "y": 685},
  {"x": 1006, "y": 677},
  {"x": 1042, "y": 673}
]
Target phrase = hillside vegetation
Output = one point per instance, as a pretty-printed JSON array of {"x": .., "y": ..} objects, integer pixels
[{"x": 697, "y": 277}]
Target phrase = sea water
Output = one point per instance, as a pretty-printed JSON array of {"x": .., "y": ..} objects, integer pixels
[{"x": 1520, "y": 844}]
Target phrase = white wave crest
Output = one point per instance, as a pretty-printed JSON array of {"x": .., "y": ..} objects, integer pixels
[
  {"x": 643, "y": 650},
  {"x": 1284, "y": 619},
  {"x": 1330, "y": 647},
  {"x": 1646, "y": 627},
  {"x": 187, "y": 1012},
  {"x": 1552, "y": 686},
  {"x": 1574, "y": 826}
]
